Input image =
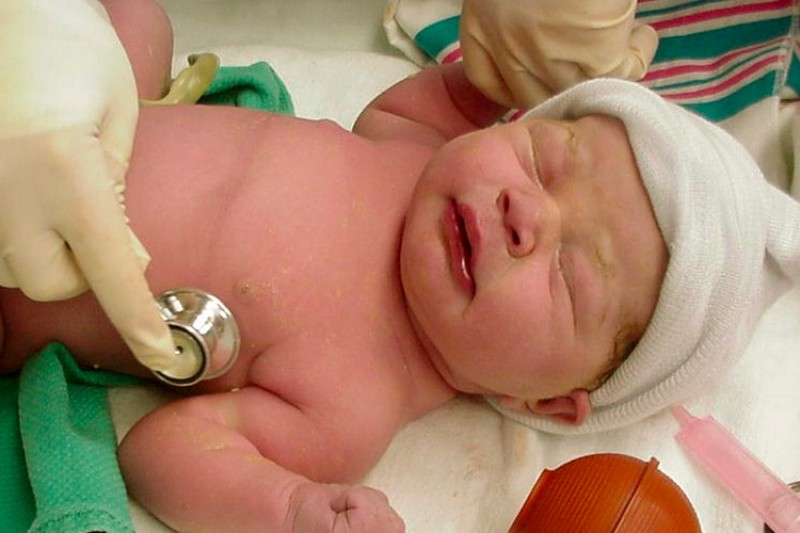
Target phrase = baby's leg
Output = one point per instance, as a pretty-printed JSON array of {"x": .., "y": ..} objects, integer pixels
[{"x": 146, "y": 33}]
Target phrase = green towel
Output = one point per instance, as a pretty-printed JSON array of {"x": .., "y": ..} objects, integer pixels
[
  {"x": 59, "y": 448},
  {"x": 257, "y": 86}
]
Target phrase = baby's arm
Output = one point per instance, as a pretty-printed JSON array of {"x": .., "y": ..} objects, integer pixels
[
  {"x": 203, "y": 463},
  {"x": 432, "y": 107}
]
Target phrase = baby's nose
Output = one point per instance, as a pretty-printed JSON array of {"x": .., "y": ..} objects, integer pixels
[{"x": 529, "y": 220}]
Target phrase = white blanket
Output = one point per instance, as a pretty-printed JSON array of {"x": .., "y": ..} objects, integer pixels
[{"x": 464, "y": 468}]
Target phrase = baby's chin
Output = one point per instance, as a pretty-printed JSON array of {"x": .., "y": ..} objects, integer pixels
[
  {"x": 404, "y": 267},
  {"x": 465, "y": 384}
]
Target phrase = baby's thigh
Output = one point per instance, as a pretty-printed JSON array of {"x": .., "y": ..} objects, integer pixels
[{"x": 146, "y": 34}]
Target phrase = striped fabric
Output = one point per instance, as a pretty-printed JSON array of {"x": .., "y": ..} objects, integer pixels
[
  {"x": 715, "y": 57},
  {"x": 440, "y": 40}
]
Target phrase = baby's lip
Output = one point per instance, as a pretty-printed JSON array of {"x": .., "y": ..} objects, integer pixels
[{"x": 462, "y": 235}]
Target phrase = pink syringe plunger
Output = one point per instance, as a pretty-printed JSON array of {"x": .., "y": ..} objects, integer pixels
[{"x": 739, "y": 470}]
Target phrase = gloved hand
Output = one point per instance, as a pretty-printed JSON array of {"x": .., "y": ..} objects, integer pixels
[
  {"x": 69, "y": 111},
  {"x": 519, "y": 52}
]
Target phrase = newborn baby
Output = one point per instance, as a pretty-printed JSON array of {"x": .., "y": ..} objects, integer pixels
[{"x": 374, "y": 275}]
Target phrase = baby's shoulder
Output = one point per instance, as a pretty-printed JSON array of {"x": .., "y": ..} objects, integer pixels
[{"x": 342, "y": 405}]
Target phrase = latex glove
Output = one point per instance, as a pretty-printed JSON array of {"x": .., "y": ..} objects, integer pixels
[
  {"x": 69, "y": 111},
  {"x": 519, "y": 52}
]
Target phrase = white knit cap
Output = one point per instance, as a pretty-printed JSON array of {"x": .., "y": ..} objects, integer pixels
[{"x": 733, "y": 241}]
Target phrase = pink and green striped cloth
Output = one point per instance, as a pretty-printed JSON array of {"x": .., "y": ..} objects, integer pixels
[{"x": 715, "y": 57}]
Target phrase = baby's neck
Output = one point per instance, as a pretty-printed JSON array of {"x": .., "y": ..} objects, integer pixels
[{"x": 419, "y": 354}]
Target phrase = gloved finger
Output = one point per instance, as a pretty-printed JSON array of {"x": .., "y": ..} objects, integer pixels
[
  {"x": 116, "y": 136},
  {"x": 111, "y": 268},
  {"x": 526, "y": 88},
  {"x": 6, "y": 279},
  {"x": 113, "y": 272},
  {"x": 118, "y": 129},
  {"x": 139, "y": 250},
  {"x": 117, "y": 170},
  {"x": 98, "y": 236},
  {"x": 43, "y": 268},
  {"x": 483, "y": 73},
  {"x": 641, "y": 50}
]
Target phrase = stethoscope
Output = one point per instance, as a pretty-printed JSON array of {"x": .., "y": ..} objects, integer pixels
[
  {"x": 205, "y": 334},
  {"x": 203, "y": 329}
]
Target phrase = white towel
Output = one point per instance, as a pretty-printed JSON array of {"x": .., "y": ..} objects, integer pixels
[{"x": 734, "y": 244}]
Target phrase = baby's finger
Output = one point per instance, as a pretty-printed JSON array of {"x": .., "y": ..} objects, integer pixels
[{"x": 365, "y": 509}]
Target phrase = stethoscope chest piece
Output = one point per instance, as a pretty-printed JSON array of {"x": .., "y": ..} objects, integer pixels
[{"x": 205, "y": 334}]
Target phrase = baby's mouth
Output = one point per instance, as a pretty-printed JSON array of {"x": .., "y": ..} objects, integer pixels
[
  {"x": 465, "y": 245},
  {"x": 460, "y": 247}
]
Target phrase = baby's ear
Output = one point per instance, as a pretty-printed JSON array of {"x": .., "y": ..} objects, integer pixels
[{"x": 572, "y": 409}]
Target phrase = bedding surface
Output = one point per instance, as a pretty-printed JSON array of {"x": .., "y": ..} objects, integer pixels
[{"x": 464, "y": 468}]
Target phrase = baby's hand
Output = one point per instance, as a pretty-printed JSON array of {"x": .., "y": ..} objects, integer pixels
[{"x": 319, "y": 507}]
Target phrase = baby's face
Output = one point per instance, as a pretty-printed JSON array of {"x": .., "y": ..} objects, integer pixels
[{"x": 528, "y": 247}]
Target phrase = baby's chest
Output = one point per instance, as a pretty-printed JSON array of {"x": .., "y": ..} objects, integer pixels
[
  {"x": 260, "y": 232},
  {"x": 309, "y": 283},
  {"x": 318, "y": 307},
  {"x": 348, "y": 375},
  {"x": 297, "y": 233}
]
